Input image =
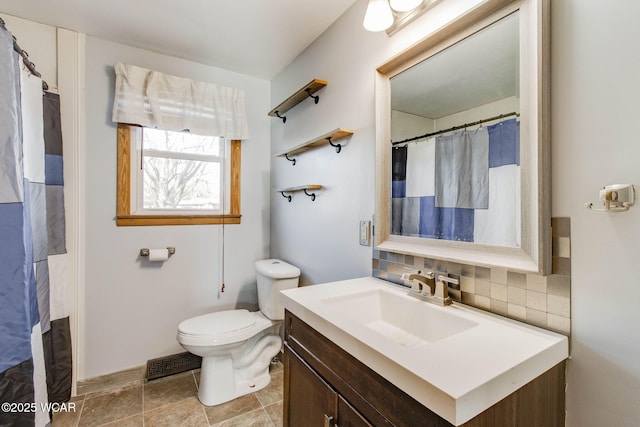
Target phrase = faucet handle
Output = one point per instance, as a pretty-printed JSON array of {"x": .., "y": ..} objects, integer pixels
[
  {"x": 447, "y": 279},
  {"x": 442, "y": 288}
]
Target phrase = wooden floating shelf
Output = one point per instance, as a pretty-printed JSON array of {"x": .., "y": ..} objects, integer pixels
[
  {"x": 301, "y": 188},
  {"x": 304, "y": 188},
  {"x": 327, "y": 138},
  {"x": 303, "y": 93}
]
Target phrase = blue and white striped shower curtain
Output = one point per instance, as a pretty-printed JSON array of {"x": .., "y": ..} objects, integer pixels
[
  {"x": 35, "y": 340},
  {"x": 464, "y": 186}
]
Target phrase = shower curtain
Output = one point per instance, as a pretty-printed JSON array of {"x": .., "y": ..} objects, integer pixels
[
  {"x": 35, "y": 339},
  {"x": 464, "y": 186}
]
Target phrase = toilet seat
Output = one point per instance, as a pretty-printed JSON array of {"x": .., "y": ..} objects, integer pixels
[
  {"x": 222, "y": 327},
  {"x": 217, "y": 323}
]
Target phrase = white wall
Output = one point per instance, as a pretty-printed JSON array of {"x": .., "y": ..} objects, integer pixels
[
  {"x": 492, "y": 109},
  {"x": 405, "y": 125},
  {"x": 595, "y": 108},
  {"x": 594, "y": 99},
  {"x": 132, "y": 309}
]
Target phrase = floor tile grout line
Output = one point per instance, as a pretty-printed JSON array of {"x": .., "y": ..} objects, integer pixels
[
  {"x": 204, "y": 411},
  {"x": 77, "y": 423},
  {"x": 243, "y": 414},
  {"x": 143, "y": 409},
  {"x": 204, "y": 408},
  {"x": 195, "y": 380}
]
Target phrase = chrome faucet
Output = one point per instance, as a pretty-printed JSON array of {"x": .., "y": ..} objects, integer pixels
[{"x": 430, "y": 288}]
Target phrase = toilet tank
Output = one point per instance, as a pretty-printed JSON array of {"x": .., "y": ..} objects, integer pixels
[{"x": 273, "y": 276}]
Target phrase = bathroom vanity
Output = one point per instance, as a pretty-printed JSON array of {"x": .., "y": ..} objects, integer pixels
[{"x": 362, "y": 353}]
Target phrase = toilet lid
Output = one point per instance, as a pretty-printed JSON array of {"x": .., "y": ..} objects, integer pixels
[{"x": 217, "y": 323}]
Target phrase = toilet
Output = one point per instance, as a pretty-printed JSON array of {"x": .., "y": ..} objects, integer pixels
[{"x": 237, "y": 346}]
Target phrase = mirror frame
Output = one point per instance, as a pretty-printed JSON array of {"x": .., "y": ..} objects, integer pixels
[{"x": 534, "y": 254}]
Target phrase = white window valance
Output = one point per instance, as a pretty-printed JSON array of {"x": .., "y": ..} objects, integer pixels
[{"x": 154, "y": 99}]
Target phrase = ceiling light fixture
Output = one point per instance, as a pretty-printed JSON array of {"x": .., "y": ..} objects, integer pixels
[{"x": 379, "y": 15}]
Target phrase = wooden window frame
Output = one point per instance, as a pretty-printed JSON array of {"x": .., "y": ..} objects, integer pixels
[{"x": 123, "y": 199}]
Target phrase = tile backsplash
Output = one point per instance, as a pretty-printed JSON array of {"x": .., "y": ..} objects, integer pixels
[{"x": 543, "y": 301}]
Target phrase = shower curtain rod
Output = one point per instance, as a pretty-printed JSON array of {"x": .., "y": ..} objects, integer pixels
[
  {"x": 25, "y": 57},
  {"x": 466, "y": 125}
]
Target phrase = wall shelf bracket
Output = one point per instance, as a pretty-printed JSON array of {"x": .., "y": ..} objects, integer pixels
[
  {"x": 286, "y": 196},
  {"x": 286, "y": 156},
  {"x": 316, "y": 98},
  {"x": 283, "y": 118},
  {"x": 338, "y": 147},
  {"x": 312, "y": 195}
]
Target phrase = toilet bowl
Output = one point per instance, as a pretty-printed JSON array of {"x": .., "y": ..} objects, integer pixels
[{"x": 237, "y": 346}]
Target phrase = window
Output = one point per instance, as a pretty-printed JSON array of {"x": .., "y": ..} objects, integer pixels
[{"x": 176, "y": 178}]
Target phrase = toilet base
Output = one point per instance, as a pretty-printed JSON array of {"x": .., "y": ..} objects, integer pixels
[
  {"x": 211, "y": 395},
  {"x": 224, "y": 378}
]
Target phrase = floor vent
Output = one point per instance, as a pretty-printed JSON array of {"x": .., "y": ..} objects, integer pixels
[{"x": 170, "y": 365}]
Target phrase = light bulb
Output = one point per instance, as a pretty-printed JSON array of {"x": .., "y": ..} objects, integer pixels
[
  {"x": 378, "y": 16},
  {"x": 404, "y": 5}
]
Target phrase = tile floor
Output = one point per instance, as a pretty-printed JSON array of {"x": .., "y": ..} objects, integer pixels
[{"x": 172, "y": 401}]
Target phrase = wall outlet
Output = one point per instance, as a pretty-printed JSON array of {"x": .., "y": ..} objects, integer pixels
[{"x": 365, "y": 235}]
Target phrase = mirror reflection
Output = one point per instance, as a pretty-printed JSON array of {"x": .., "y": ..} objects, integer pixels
[{"x": 456, "y": 142}]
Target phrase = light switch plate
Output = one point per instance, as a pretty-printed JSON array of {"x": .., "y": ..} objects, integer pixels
[{"x": 365, "y": 226}]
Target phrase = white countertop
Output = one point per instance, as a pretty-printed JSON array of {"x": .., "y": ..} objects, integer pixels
[{"x": 456, "y": 376}]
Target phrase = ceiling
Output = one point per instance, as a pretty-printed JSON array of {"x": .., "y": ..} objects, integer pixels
[
  {"x": 478, "y": 70},
  {"x": 255, "y": 37}
]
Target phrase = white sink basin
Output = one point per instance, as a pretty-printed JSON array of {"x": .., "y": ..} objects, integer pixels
[
  {"x": 456, "y": 360},
  {"x": 410, "y": 323}
]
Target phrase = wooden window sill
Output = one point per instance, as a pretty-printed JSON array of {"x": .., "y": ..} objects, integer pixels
[{"x": 143, "y": 220}]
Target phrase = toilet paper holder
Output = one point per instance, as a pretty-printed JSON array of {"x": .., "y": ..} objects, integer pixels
[
  {"x": 145, "y": 251},
  {"x": 615, "y": 198}
]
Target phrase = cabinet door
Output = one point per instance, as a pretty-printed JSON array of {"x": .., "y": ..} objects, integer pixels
[
  {"x": 348, "y": 416},
  {"x": 309, "y": 400}
]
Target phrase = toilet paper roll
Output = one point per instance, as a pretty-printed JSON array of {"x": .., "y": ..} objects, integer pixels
[{"x": 158, "y": 255}]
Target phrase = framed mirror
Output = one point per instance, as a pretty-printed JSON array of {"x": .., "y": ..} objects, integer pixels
[{"x": 462, "y": 150}]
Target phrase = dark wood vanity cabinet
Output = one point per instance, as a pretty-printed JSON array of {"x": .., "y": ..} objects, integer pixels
[
  {"x": 313, "y": 402},
  {"x": 325, "y": 386},
  {"x": 311, "y": 399}
]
